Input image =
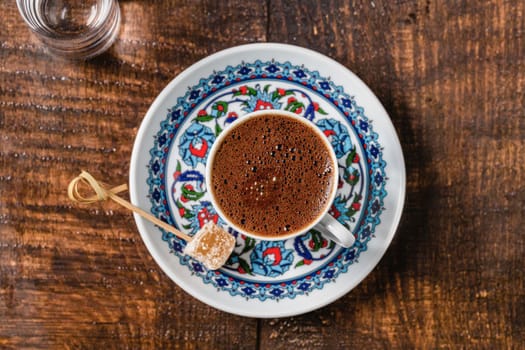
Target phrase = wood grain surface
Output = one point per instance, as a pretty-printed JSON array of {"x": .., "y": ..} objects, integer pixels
[{"x": 451, "y": 74}]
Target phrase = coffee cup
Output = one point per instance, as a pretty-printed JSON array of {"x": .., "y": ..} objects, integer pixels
[{"x": 273, "y": 175}]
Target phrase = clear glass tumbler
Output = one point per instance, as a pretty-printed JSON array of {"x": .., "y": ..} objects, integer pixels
[{"x": 75, "y": 29}]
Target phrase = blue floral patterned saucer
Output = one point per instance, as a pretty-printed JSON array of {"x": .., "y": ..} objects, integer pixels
[{"x": 263, "y": 278}]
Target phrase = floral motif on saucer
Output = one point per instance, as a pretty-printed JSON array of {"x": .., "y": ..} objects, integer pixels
[{"x": 262, "y": 269}]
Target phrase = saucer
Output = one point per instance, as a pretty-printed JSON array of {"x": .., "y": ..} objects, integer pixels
[{"x": 268, "y": 278}]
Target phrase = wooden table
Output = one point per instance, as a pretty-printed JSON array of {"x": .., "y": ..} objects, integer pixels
[{"x": 452, "y": 77}]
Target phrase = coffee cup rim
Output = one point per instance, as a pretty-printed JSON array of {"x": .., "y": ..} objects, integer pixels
[{"x": 240, "y": 121}]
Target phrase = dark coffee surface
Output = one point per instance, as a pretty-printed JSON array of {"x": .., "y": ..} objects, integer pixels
[{"x": 272, "y": 175}]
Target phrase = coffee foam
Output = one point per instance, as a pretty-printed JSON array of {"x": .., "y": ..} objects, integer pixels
[{"x": 272, "y": 175}]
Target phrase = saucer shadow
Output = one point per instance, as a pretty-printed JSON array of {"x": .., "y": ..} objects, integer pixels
[
  {"x": 414, "y": 239},
  {"x": 414, "y": 235}
]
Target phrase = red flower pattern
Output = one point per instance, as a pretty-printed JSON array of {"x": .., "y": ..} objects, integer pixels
[
  {"x": 204, "y": 216},
  {"x": 262, "y": 105}
]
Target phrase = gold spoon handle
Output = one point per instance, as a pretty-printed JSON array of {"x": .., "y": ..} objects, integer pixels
[{"x": 104, "y": 194}]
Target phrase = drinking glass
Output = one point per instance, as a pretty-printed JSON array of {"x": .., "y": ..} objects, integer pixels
[{"x": 76, "y": 29}]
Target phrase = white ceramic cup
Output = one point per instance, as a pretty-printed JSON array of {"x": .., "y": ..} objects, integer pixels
[{"x": 324, "y": 223}]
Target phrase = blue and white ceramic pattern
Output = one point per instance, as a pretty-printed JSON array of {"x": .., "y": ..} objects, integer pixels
[{"x": 262, "y": 278}]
